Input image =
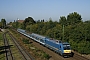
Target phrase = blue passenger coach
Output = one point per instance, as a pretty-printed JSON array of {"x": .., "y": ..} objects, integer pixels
[{"x": 38, "y": 38}]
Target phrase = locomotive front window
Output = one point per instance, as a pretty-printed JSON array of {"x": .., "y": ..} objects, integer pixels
[{"x": 66, "y": 46}]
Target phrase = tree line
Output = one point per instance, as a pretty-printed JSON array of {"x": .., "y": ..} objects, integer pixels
[{"x": 76, "y": 32}]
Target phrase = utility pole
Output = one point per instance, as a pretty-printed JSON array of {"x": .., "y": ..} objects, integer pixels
[{"x": 63, "y": 32}]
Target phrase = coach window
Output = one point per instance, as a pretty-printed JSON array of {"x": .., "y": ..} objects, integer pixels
[{"x": 60, "y": 46}]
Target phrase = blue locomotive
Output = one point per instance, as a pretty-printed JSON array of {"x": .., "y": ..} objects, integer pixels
[{"x": 62, "y": 48}]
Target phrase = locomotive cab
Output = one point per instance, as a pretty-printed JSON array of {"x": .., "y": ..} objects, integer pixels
[{"x": 66, "y": 49}]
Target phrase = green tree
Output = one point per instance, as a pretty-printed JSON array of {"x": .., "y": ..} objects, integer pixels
[
  {"x": 73, "y": 18},
  {"x": 0, "y": 25},
  {"x": 50, "y": 24},
  {"x": 63, "y": 20},
  {"x": 3, "y": 21},
  {"x": 17, "y": 24},
  {"x": 28, "y": 21},
  {"x": 13, "y": 24},
  {"x": 42, "y": 20},
  {"x": 38, "y": 21}
]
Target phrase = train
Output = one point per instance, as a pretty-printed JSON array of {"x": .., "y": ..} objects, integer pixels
[{"x": 62, "y": 48}]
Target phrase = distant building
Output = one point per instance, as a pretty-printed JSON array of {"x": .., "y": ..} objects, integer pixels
[{"x": 20, "y": 21}]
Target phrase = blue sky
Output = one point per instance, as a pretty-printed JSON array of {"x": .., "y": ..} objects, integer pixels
[{"x": 43, "y": 9}]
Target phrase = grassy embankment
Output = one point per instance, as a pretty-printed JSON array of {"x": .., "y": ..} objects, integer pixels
[
  {"x": 15, "y": 52},
  {"x": 34, "y": 51},
  {"x": 2, "y": 52}
]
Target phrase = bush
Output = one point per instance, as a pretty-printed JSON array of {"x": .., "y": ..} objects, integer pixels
[
  {"x": 26, "y": 41},
  {"x": 46, "y": 56}
]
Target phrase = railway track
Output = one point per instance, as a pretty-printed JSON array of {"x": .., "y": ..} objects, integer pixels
[
  {"x": 25, "y": 54},
  {"x": 79, "y": 57},
  {"x": 7, "y": 48}
]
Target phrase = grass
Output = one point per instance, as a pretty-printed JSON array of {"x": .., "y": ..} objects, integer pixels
[
  {"x": 2, "y": 52},
  {"x": 15, "y": 52},
  {"x": 34, "y": 51}
]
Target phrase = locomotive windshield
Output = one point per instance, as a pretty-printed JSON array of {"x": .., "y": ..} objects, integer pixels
[{"x": 66, "y": 46}]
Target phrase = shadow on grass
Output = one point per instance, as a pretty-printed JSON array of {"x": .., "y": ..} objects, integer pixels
[{"x": 2, "y": 51}]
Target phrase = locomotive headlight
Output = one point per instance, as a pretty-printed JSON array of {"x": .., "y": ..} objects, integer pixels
[{"x": 67, "y": 51}]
